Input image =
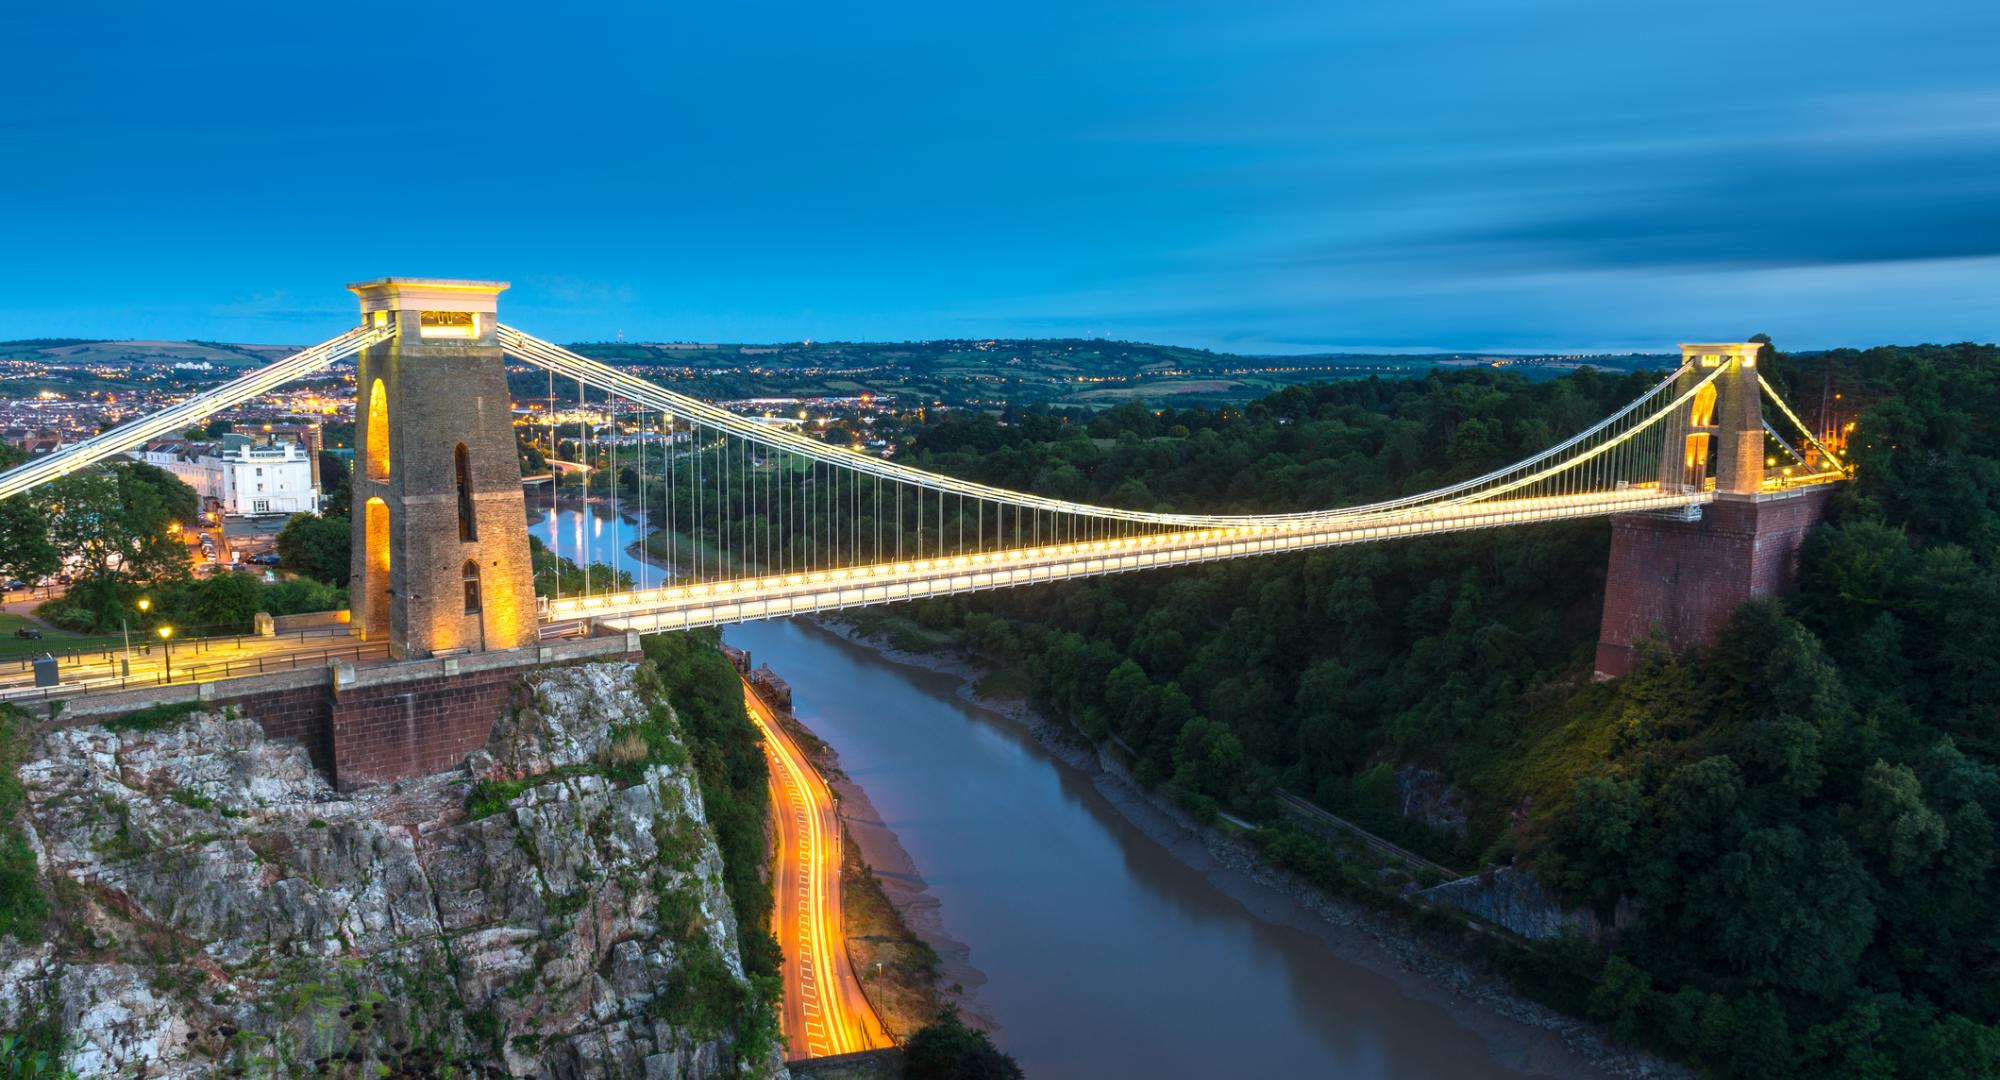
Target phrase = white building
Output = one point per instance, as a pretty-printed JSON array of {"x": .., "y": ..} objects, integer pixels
[{"x": 245, "y": 475}]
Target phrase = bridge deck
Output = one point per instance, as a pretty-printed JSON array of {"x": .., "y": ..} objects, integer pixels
[
  {"x": 681, "y": 607},
  {"x": 688, "y": 606}
]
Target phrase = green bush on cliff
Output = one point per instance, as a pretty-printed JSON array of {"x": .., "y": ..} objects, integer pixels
[
  {"x": 23, "y": 908},
  {"x": 154, "y": 717},
  {"x": 689, "y": 670}
]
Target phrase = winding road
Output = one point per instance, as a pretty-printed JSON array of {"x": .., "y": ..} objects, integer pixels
[{"x": 824, "y": 1011}]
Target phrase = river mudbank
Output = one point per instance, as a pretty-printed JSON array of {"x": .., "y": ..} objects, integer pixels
[{"x": 1518, "y": 1034}]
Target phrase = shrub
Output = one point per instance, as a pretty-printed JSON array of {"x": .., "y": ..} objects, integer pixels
[
  {"x": 22, "y": 905},
  {"x": 156, "y": 718},
  {"x": 946, "y": 1049}
]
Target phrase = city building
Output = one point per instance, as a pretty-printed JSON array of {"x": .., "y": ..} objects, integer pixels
[
  {"x": 37, "y": 443},
  {"x": 245, "y": 475}
]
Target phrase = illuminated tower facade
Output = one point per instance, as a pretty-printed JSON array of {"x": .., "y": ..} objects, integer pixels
[
  {"x": 440, "y": 527},
  {"x": 1675, "y": 580},
  {"x": 1717, "y": 440}
]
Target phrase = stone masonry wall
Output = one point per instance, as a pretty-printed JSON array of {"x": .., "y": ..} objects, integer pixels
[
  {"x": 375, "y": 725},
  {"x": 396, "y": 730},
  {"x": 302, "y": 715},
  {"x": 1684, "y": 579}
]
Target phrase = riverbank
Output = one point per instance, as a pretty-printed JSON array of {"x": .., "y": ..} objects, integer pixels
[{"x": 1518, "y": 1033}]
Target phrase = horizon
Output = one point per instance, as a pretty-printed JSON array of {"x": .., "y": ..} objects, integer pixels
[{"x": 1330, "y": 351}]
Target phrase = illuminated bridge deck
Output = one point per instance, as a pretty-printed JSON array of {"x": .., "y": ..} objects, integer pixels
[{"x": 685, "y": 607}]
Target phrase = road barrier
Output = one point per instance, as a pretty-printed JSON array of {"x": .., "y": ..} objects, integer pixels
[{"x": 199, "y": 672}]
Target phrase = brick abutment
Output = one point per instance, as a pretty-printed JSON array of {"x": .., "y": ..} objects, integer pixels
[
  {"x": 376, "y": 725},
  {"x": 1677, "y": 582}
]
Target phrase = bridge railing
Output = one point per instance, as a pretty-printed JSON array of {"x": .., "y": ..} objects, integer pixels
[
  {"x": 198, "y": 672},
  {"x": 191, "y": 640}
]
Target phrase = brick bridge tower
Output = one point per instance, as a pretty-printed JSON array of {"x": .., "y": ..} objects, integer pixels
[
  {"x": 1677, "y": 578},
  {"x": 440, "y": 527}
]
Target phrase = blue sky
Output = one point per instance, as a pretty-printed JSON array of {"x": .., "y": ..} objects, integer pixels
[{"x": 1244, "y": 176}]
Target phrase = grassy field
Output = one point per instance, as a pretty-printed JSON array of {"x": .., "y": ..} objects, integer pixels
[{"x": 55, "y": 641}]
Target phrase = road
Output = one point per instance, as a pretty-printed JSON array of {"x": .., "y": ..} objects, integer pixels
[
  {"x": 103, "y": 669},
  {"x": 824, "y": 1011}
]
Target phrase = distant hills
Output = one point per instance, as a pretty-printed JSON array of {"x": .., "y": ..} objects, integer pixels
[
  {"x": 85, "y": 351},
  {"x": 982, "y": 373}
]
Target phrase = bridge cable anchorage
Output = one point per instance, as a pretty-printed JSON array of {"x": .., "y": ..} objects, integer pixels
[{"x": 178, "y": 417}]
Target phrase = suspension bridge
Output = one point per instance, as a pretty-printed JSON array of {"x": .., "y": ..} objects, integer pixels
[{"x": 758, "y": 520}]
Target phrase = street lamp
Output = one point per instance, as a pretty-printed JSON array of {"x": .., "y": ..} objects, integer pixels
[
  {"x": 167, "y": 635},
  {"x": 125, "y": 664}
]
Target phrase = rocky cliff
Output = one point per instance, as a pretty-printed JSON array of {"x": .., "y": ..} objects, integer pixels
[{"x": 555, "y": 909}]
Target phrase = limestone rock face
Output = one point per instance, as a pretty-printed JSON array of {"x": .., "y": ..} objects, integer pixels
[{"x": 221, "y": 906}]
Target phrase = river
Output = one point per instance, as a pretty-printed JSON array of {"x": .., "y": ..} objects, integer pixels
[
  {"x": 1104, "y": 954},
  {"x": 599, "y": 536}
]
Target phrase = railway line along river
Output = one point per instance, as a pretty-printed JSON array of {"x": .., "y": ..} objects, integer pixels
[{"x": 1106, "y": 951}]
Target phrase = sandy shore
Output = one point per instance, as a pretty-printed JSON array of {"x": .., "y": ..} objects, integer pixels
[{"x": 1518, "y": 1033}]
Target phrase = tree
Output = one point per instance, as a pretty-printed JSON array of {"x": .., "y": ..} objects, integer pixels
[
  {"x": 1596, "y": 841},
  {"x": 1896, "y": 824},
  {"x": 336, "y": 485},
  {"x": 1208, "y": 760},
  {"x": 1787, "y": 911},
  {"x": 83, "y": 515},
  {"x": 120, "y": 523},
  {"x": 316, "y": 547},
  {"x": 25, "y": 550},
  {"x": 225, "y": 600},
  {"x": 946, "y": 1049}
]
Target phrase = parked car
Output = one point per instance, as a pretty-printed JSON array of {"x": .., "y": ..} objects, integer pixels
[{"x": 16, "y": 585}]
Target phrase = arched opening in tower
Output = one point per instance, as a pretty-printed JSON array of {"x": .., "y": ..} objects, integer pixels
[
  {"x": 373, "y": 604},
  {"x": 468, "y": 526},
  {"x": 378, "y": 431}
]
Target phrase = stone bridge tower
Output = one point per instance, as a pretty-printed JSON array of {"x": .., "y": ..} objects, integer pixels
[
  {"x": 1677, "y": 579},
  {"x": 440, "y": 527}
]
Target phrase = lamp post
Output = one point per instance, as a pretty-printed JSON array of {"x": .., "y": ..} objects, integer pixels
[
  {"x": 125, "y": 665},
  {"x": 167, "y": 635}
]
